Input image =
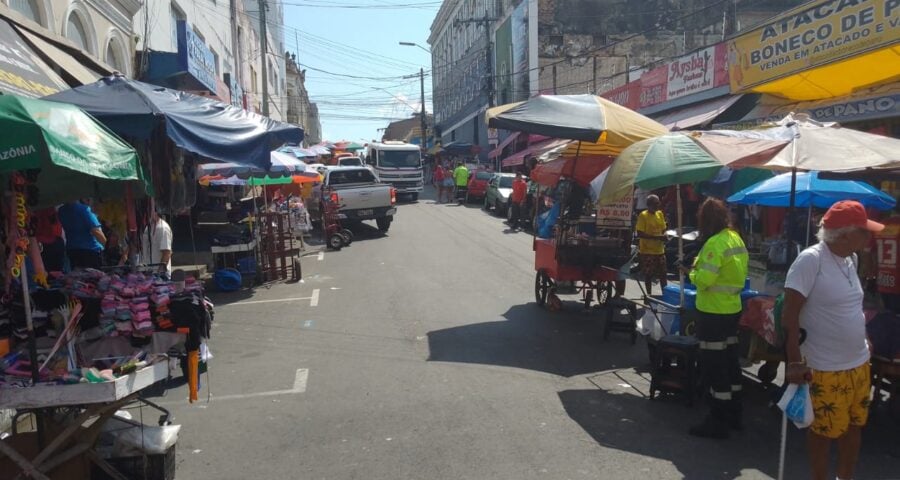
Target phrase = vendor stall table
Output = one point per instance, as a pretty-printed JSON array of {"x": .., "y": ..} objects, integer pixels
[
  {"x": 98, "y": 401},
  {"x": 47, "y": 396}
]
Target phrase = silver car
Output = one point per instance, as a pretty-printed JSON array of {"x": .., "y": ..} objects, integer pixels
[{"x": 498, "y": 192}]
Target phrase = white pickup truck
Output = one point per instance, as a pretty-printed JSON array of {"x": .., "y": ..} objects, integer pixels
[{"x": 360, "y": 195}]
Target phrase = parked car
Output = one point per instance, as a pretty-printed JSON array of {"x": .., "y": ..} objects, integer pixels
[
  {"x": 478, "y": 184},
  {"x": 350, "y": 162},
  {"x": 498, "y": 192}
]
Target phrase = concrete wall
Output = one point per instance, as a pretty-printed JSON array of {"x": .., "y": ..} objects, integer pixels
[{"x": 572, "y": 32}]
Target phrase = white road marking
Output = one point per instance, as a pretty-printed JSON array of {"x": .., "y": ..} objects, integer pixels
[
  {"x": 314, "y": 300},
  {"x": 300, "y": 380},
  {"x": 299, "y": 387},
  {"x": 307, "y": 324},
  {"x": 292, "y": 299},
  {"x": 321, "y": 256}
]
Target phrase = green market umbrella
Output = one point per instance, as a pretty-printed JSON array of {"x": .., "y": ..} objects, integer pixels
[
  {"x": 670, "y": 159},
  {"x": 73, "y": 153},
  {"x": 77, "y": 156}
]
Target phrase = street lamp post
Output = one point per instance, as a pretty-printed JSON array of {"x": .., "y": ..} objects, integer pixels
[{"x": 424, "y": 125}]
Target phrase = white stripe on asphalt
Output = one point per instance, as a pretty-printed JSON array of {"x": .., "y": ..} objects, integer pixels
[
  {"x": 314, "y": 300},
  {"x": 321, "y": 256},
  {"x": 299, "y": 387},
  {"x": 300, "y": 380},
  {"x": 292, "y": 299}
]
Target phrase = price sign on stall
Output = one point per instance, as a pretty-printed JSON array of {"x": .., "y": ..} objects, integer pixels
[{"x": 618, "y": 213}]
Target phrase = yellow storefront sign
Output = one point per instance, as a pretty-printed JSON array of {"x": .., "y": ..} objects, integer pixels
[{"x": 813, "y": 35}]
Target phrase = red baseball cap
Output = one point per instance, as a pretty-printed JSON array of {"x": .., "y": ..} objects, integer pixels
[{"x": 850, "y": 213}]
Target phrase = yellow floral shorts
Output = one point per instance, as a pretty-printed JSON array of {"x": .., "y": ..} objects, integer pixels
[{"x": 840, "y": 399}]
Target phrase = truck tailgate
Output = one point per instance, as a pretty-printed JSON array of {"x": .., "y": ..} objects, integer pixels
[{"x": 364, "y": 196}]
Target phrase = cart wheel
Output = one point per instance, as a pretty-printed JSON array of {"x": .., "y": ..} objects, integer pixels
[
  {"x": 541, "y": 287},
  {"x": 336, "y": 241},
  {"x": 348, "y": 233},
  {"x": 767, "y": 372}
]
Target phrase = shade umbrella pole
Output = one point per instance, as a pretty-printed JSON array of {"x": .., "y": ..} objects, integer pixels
[
  {"x": 29, "y": 323},
  {"x": 679, "y": 214},
  {"x": 791, "y": 216}
]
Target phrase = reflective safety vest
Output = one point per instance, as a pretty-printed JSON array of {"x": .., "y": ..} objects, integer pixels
[{"x": 719, "y": 273}]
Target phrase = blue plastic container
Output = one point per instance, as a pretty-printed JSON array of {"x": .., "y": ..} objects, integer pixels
[
  {"x": 246, "y": 265},
  {"x": 227, "y": 280},
  {"x": 672, "y": 295}
]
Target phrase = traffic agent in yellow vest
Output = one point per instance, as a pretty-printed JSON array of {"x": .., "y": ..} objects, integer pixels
[{"x": 719, "y": 273}]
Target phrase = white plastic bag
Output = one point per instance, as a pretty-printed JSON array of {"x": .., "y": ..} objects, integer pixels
[
  {"x": 147, "y": 440},
  {"x": 797, "y": 405}
]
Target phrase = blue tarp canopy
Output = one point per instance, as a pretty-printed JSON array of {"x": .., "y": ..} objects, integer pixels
[
  {"x": 811, "y": 190},
  {"x": 204, "y": 126},
  {"x": 458, "y": 147}
]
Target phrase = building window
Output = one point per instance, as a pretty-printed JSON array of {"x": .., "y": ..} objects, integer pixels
[
  {"x": 76, "y": 32},
  {"x": 177, "y": 15},
  {"x": 253, "y": 85},
  {"x": 114, "y": 57},
  {"x": 28, "y": 8},
  {"x": 216, "y": 62}
]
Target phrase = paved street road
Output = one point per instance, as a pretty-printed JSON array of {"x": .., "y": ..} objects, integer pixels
[{"x": 421, "y": 355}]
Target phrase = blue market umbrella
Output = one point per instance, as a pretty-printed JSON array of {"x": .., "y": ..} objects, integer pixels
[
  {"x": 201, "y": 125},
  {"x": 811, "y": 191}
]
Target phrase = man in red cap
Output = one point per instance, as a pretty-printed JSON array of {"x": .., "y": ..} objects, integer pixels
[{"x": 824, "y": 296}]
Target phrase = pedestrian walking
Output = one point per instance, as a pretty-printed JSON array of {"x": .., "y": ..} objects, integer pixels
[
  {"x": 448, "y": 183},
  {"x": 824, "y": 297},
  {"x": 651, "y": 230},
  {"x": 719, "y": 273},
  {"x": 439, "y": 174},
  {"x": 461, "y": 178},
  {"x": 517, "y": 200}
]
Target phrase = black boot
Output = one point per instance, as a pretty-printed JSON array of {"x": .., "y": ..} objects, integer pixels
[
  {"x": 736, "y": 419},
  {"x": 711, "y": 427}
]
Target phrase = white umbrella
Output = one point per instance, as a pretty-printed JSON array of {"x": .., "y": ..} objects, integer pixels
[{"x": 808, "y": 145}]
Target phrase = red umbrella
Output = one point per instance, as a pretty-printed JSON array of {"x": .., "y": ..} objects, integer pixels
[{"x": 583, "y": 172}]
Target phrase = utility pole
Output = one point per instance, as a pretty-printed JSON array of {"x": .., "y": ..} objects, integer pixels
[
  {"x": 424, "y": 119},
  {"x": 485, "y": 22},
  {"x": 263, "y": 41}
]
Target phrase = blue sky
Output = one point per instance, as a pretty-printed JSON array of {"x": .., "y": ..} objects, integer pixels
[{"x": 359, "y": 38}]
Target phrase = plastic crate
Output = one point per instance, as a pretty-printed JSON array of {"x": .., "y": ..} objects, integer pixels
[{"x": 146, "y": 467}]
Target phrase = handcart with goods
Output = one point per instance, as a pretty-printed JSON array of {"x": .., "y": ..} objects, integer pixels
[
  {"x": 335, "y": 235},
  {"x": 582, "y": 251}
]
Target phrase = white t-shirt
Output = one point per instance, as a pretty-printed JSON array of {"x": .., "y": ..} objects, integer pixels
[
  {"x": 833, "y": 314},
  {"x": 153, "y": 243},
  {"x": 640, "y": 198}
]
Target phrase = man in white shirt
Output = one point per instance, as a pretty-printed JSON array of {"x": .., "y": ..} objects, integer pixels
[
  {"x": 823, "y": 295},
  {"x": 156, "y": 243}
]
